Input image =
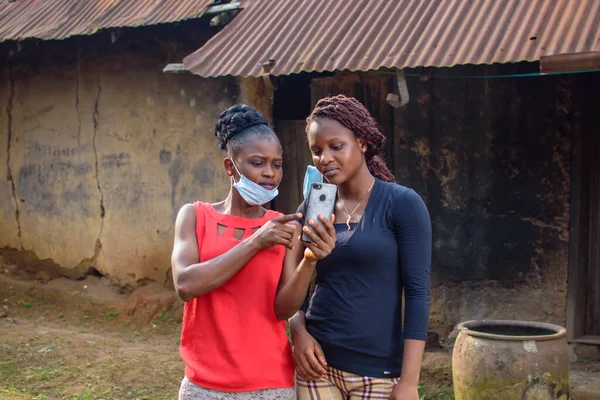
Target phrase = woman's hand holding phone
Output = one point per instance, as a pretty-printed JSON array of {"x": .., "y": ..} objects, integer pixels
[
  {"x": 318, "y": 232},
  {"x": 322, "y": 240}
]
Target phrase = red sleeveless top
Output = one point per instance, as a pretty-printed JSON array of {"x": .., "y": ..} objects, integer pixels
[{"x": 231, "y": 339}]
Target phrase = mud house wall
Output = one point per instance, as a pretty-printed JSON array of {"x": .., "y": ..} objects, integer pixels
[
  {"x": 100, "y": 149},
  {"x": 492, "y": 159}
]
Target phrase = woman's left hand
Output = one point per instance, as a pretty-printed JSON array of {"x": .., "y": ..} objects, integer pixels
[
  {"x": 403, "y": 391},
  {"x": 323, "y": 240}
]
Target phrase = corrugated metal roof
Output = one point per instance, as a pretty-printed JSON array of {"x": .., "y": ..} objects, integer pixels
[
  {"x": 59, "y": 19},
  {"x": 317, "y": 35}
]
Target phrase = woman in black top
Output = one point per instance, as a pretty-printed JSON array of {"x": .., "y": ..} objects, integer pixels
[{"x": 349, "y": 340}]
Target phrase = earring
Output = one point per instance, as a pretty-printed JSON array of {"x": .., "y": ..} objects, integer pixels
[
  {"x": 229, "y": 173},
  {"x": 363, "y": 150}
]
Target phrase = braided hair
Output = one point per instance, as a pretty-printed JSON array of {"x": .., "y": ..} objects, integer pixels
[
  {"x": 238, "y": 125},
  {"x": 353, "y": 115}
]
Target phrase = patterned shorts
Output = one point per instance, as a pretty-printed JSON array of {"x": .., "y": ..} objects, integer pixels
[
  {"x": 341, "y": 385},
  {"x": 191, "y": 391}
]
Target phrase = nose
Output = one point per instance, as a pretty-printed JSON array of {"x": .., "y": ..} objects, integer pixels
[
  {"x": 268, "y": 171},
  {"x": 325, "y": 158}
]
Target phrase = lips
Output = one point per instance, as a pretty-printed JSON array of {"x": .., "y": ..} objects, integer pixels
[
  {"x": 328, "y": 172},
  {"x": 268, "y": 186}
]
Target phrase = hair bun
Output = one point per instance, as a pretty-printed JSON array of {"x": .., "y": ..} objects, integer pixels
[{"x": 234, "y": 120}]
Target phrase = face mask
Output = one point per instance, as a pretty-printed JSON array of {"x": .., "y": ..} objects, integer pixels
[
  {"x": 253, "y": 193},
  {"x": 312, "y": 175}
]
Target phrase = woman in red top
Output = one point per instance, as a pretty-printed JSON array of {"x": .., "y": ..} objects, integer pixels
[{"x": 227, "y": 261}]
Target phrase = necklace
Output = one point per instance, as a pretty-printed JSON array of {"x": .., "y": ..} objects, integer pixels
[{"x": 355, "y": 208}]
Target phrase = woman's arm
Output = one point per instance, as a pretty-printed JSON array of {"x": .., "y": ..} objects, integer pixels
[
  {"x": 295, "y": 277},
  {"x": 406, "y": 389},
  {"x": 413, "y": 233},
  {"x": 299, "y": 266},
  {"x": 193, "y": 278},
  {"x": 308, "y": 355}
]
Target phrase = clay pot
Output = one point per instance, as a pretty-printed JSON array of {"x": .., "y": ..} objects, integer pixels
[{"x": 510, "y": 360}]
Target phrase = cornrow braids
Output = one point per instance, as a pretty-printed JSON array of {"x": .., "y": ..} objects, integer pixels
[
  {"x": 239, "y": 124},
  {"x": 353, "y": 115}
]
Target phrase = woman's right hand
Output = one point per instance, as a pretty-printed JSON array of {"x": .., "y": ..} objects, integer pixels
[
  {"x": 277, "y": 231},
  {"x": 323, "y": 240},
  {"x": 308, "y": 356}
]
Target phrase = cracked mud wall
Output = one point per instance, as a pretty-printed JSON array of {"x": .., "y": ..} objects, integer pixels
[
  {"x": 51, "y": 164},
  {"x": 8, "y": 207},
  {"x": 102, "y": 149},
  {"x": 492, "y": 159}
]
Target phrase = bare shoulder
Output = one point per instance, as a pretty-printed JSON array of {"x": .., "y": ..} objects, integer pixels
[
  {"x": 187, "y": 209},
  {"x": 186, "y": 215}
]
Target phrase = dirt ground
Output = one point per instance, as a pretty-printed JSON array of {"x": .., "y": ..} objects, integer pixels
[{"x": 84, "y": 339}]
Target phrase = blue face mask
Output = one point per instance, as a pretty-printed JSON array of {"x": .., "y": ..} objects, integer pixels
[
  {"x": 312, "y": 175},
  {"x": 251, "y": 192}
]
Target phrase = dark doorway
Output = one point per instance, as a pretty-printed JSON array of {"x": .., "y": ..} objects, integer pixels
[{"x": 583, "y": 312}]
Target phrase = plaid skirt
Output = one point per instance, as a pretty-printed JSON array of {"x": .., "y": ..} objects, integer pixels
[{"x": 342, "y": 385}]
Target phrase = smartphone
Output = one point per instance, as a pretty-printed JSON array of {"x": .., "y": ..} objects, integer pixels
[{"x": 321, "y": 201}]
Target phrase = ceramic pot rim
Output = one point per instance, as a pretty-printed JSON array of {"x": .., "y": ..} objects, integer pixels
[{"x": 559, "y": 331}]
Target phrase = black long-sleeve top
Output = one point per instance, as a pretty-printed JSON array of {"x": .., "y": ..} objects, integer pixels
[{"x": 355, "y": 312}]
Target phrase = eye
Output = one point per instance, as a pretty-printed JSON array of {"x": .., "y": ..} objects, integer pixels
[
  {"x": 277, "y": 165},
  {"x": 257, "y": 163},
  {"x": 337, "y": 147},
  {"x": 316, "y": 152}
]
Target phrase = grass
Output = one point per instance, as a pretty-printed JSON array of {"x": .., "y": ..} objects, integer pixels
[
  {"x": 63, "y": 348},
  {"x": 112, "y": 314},
  {"x": 165, "y": 317},
  {"x": 45, "y": 374},
  {"x": 435, "y": 391},
  {"x": 27, "y": 373},
  {"x": 103, "y": 364},
  {"x": 442, "y": 392}
]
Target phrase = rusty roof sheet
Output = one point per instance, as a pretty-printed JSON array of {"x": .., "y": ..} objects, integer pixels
[
  {"x": 316, "y": 35},
  {"x": 59, "y": 19}
]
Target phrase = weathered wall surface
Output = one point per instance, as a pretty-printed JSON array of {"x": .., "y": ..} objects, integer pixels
[
  {"x": 491, "y": 157},
  {"x": 52, "y": 163},
  {"x": 104, "y": 149},
  {"x": 8, "y": 213},
  {"x": 258, "y": 94}
]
